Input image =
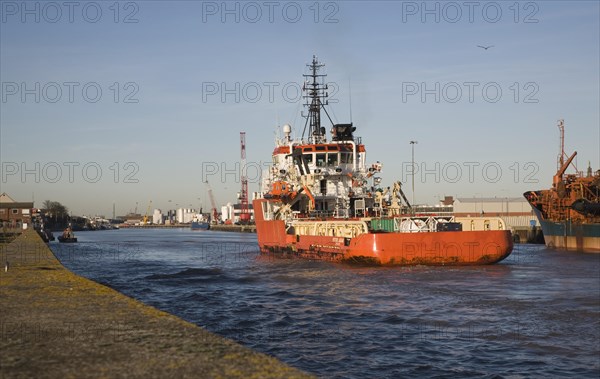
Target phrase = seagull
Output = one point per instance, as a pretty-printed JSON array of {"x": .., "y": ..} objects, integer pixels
[{"x": 485, "y": 47}]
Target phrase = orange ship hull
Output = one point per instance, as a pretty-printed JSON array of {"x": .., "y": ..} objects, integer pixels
[{"x": 426, "y": 248}]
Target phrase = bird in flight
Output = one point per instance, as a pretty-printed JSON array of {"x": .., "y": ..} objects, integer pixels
[{"x": 485, "y": 47}]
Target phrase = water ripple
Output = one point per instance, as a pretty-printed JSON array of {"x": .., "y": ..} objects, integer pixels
[{"x": 536, "y": 314}]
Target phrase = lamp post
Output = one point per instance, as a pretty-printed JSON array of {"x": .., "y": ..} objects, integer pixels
[{"x": 412, "y": 144}]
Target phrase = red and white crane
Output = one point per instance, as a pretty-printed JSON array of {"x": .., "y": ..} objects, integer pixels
[{"x": 244, "y": 211}]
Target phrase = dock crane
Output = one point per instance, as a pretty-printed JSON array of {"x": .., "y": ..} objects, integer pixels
[
  {"x": 214, "y": 213},
  {"x": 245, "y": 213},
  {"x": 145, "y": 221}
]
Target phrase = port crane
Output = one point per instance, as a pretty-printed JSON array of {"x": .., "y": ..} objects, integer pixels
[
  {"x": 244, "y": 212},
  {"x": 145, "y": 220},
  {"x": 214, "y": 214}
]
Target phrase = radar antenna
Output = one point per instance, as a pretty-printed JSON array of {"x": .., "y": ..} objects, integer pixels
[{"x": 316, "y": 97}]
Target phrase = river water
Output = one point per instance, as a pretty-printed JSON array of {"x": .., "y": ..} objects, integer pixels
[{"x": 537, "y": 313}]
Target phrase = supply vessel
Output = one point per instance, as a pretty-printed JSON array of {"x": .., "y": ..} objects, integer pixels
[
  {"x": 322, "y": 200},
  {"x": 569, "y": 212}
]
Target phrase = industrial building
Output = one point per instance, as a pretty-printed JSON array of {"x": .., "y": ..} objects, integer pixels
[
  {"x": 492, "y": 206},
  {"x": 515, "y": 212},
  {"x": 157, "y": 217},
  {"x": 231, "y": 213},
  {"x": 185, "y": 215}
]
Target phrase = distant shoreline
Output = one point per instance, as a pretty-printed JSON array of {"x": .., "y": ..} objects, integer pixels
[{"x": 220, "y": 227}]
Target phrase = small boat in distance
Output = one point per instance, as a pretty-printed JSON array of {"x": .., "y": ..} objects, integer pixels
[
  {"x": 67, "y": 236},
  {"x": 199, "y": 225},
  {"x": 199, "y": 222},
  {"x": 322, "y": 201}
]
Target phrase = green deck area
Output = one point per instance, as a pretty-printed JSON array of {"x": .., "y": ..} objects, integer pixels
[{"x": 57, "y": 324}]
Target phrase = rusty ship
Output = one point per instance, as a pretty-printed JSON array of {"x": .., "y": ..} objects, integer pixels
[
  {"x": 321, "y": 200},
  {"x": 569, "y": 212}
]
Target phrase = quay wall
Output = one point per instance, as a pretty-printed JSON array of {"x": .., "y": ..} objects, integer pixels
[{"x": 58, "y": 324}]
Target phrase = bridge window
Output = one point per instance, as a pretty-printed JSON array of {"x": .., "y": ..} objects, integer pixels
[
  {"x": 332, "y": 159},
  {"x": 321, "y": 160},
  {"x": 308, "y": 158},
  {"x": 346, "y": 158}
]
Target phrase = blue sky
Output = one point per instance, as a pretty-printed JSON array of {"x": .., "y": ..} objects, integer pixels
[{"x": 163, "y": 123}]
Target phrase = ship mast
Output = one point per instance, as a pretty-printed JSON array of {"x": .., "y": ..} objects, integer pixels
[
  {"x": 561, "y": 156},
  {"x": 315, "y": 95}
]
